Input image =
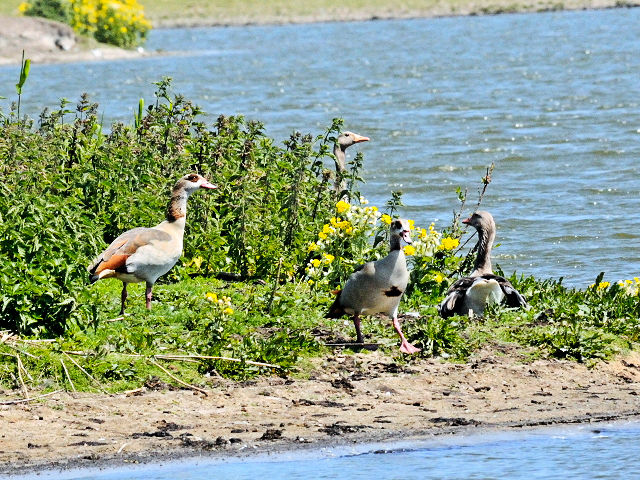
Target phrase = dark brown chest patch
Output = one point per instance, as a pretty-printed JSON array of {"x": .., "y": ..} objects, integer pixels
[{"x": 393, "y": 292}]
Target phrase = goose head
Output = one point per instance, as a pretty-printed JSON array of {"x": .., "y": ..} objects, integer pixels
[
  {"x": 192, "y": 182},
  {"x": 482, "y": 221},
  {"x": 346, "y": 139},
  {"x": 400, "y": 229}
]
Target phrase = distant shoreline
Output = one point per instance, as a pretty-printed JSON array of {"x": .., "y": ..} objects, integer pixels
[
  {"x": 500, "y": 7},
  {"x": 26, "y": 33}
]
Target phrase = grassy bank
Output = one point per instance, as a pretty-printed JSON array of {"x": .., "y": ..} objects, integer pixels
[
  {"x": 282, "y": 236},
  {"x": 192, "y": 12}
]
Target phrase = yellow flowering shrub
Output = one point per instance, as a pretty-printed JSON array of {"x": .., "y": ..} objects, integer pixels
[
  {"x": 117, "y": 22},
  {"x": 354, "y": 236}
]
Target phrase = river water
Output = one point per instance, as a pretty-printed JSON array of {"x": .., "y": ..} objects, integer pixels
[
  {"x": 579, "y": 452},
  {"x": 552, "y": 99}
]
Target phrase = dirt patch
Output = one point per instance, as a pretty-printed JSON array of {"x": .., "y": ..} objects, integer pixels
[{"x": 351, "y": 398}]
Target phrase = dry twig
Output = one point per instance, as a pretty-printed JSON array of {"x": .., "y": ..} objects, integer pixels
[
  {"x": 192, "y": 387},
  {"x": 30, "y": 399},
  {"x": 85, "y": 372},
  {"x": 64, "y": 367}
]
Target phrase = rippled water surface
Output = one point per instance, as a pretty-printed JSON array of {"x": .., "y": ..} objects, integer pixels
[
  {"x": 584, "y": 452},
  {"x": 553, "y": 99}
]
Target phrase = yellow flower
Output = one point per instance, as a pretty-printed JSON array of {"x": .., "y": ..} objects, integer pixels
[
  {"x": 212, "y": 297},
  {"x": 385, "y": 219},
  {"x": 322, "y": 235},
  {"x": 423, "y": 234},
  {"x": 315, "y": 262},
  {"x": 310, "y": 282},
  {"x": 412, "y": 224},
  {"x": 438, "y": 277},
  {"x": 344, "y": 224},
  {"x": 342, "y": 207},
  {"x": 449, "y": 243},
  {"x": 603, "y": 285},
  {"x": 23, "y": 7},
  {"x": 228, "y": 311},
  {"x": 409, "y": 250},
  {"x": 328, "y": 257},
  {"x": 313, "y": 246},
  {"x": 326, "y": 229},
  {"x": 432, "y": 227}
]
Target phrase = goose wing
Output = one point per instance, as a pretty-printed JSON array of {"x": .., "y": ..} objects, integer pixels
[
  {"x": 512, "y": 297},
  {"x": 115, "y": 256},
  {"x": 453, "y": 301}
]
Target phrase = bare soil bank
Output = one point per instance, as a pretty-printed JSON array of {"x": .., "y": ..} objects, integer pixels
[{"x": 349, "y": 398}]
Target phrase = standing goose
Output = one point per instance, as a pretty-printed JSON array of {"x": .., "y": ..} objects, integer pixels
[
  {"x": 145, "y": 254},
  {"x": 482, "y": 287},
  {"x": 344, "y": 141},
  {"x": 376, "y": 287}
]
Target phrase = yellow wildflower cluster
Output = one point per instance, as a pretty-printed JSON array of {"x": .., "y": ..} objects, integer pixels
[
  {"x": 356, "y": 218},
  {"x": 350, "y": 221},
  {"x": 600, "y": 286},
  {"x": 223, "y": 303},
  {"x": 448, "y": 243},
  {"x": 117, "y": 22},
  {"x": 359, "y": 224},
  {"x": 425, "y": 242},
  {"x": 630, "y": 287}
]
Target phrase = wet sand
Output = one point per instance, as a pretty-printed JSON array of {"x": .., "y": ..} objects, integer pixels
[{"x": 348, "y": 399}]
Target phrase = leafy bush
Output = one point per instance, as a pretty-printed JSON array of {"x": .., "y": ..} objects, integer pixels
[{"x": 57, "y": 10}]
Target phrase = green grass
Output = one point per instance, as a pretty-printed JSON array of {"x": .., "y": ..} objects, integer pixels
[{"x": 118, "y": 354}]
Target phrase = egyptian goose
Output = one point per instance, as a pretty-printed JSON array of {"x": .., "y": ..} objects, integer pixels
[
  {"x": 344, "y": 141},
  {"x": 376, "y": 287},
  {"x": 145, "y": 254},
  {"x": 470, "y": 295}
]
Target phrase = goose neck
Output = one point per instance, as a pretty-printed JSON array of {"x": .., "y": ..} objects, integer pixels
[
  {"x": 482, "y": 264},
  {"x": 177, "y": 207}
]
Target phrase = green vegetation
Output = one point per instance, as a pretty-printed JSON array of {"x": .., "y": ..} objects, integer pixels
[{"x": 275, "y": 227}]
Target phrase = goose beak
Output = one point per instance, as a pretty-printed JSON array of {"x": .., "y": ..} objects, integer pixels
[
  {"x": 359, "y": 138},
  {"x": 208, "y": 185},
  {"x": 467, "y": 221},
  {"x": 406, "y": 236}
]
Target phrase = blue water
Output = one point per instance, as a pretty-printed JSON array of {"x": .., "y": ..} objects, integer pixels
[
  {"x": 552, "y": 98},
  {"x": 577, "y": 452}
]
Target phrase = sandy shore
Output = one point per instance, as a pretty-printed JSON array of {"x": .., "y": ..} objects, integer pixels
[{"x": 364, "y": 397}]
